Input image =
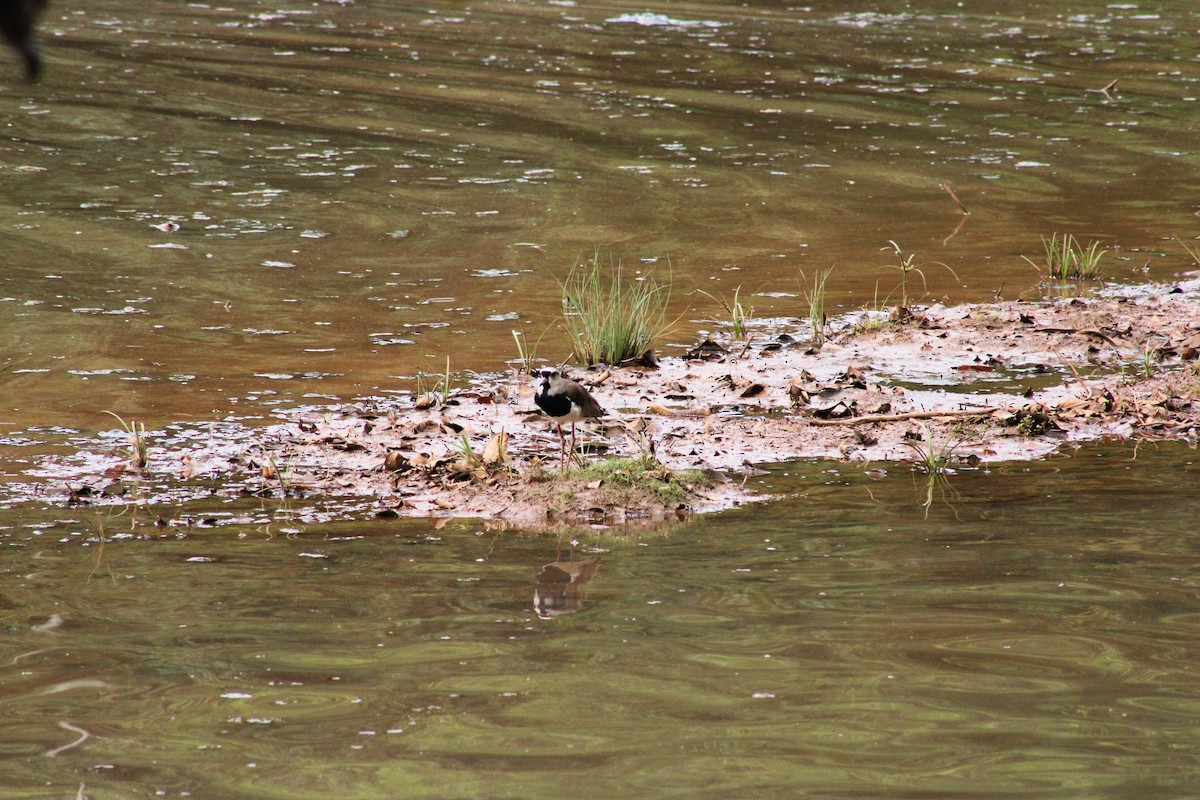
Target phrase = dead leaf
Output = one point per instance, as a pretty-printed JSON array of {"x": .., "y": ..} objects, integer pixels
[
  {"x": 708, "y": 350},
  {"x": 482, "y": 396},
  {"x": 395, "y": 461},
  {"x": 426, "y": 424},
  {"x": 647, "y": 359},
  {"x": 853, "y": 378},
  {"x": 496, "y": 452},
  {"x": 838, "y": 410}
]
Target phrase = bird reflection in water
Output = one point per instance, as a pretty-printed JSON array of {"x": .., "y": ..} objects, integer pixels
[{"x": 559, "y": 588}]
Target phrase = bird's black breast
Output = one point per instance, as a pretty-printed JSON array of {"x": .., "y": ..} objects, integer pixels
[{"x": 555, "y": 405}]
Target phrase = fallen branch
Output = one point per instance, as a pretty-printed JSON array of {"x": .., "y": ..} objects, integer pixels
[
  {"x": 974, "y": 412},
  {"x": 1085, "y": 331}
]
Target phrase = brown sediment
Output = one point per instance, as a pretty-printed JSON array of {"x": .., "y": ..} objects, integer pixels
[{"x": 987, "y": 382}]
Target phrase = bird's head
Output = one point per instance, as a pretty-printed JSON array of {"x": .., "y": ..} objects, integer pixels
[{"x": 547, "y": 374}]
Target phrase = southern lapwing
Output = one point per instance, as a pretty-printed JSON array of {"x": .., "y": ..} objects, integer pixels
[{"x": 564, "y": 400}]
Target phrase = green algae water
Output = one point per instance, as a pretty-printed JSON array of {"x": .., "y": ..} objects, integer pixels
[{"x": 1033, "y": 634}]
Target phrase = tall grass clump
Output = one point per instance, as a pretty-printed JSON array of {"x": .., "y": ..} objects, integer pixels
[
  {"x": 610, "y": 315},
  {"x": 1066, "y": 258}
]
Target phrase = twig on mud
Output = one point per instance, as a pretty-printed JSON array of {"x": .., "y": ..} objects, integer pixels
[
  {"x": 1085, "y": 331},
  {"x": 974, "y": 412},
  {"x": 1087, "y": 388}
]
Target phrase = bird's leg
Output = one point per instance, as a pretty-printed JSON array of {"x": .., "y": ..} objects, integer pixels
[{"x": 562, "y": 448}]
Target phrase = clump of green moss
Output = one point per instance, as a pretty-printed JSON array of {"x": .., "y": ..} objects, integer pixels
[{"x": 643, "y": 475}]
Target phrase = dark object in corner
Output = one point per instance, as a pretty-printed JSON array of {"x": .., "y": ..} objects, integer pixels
[{"x": 17, "y": 20}]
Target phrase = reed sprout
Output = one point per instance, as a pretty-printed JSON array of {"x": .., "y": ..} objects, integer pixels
[
  {"x": 814, "y": 295},
  {"x": 739, "y": 315},
  {"x": 1066, "y": 258},
  {"x": 907, "y": 264},
  {"x": 138, "y": 450},
  {"x": 1192, "y": 250}
]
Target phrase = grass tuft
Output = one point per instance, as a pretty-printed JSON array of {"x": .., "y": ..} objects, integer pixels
[
  {"x": 610, "y": 315},
  {"x": 738, "y": 314},
  {"x": 934, "y": 460},
  {"x": 526, "y": 355},
  {"x": 441, "y": 391},
  {"x": 138, "y": 451},
  {"x": 814, "y": 295},
  {"x": 907, "y": 264},
  {"x": 1066, "y": 258}
]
